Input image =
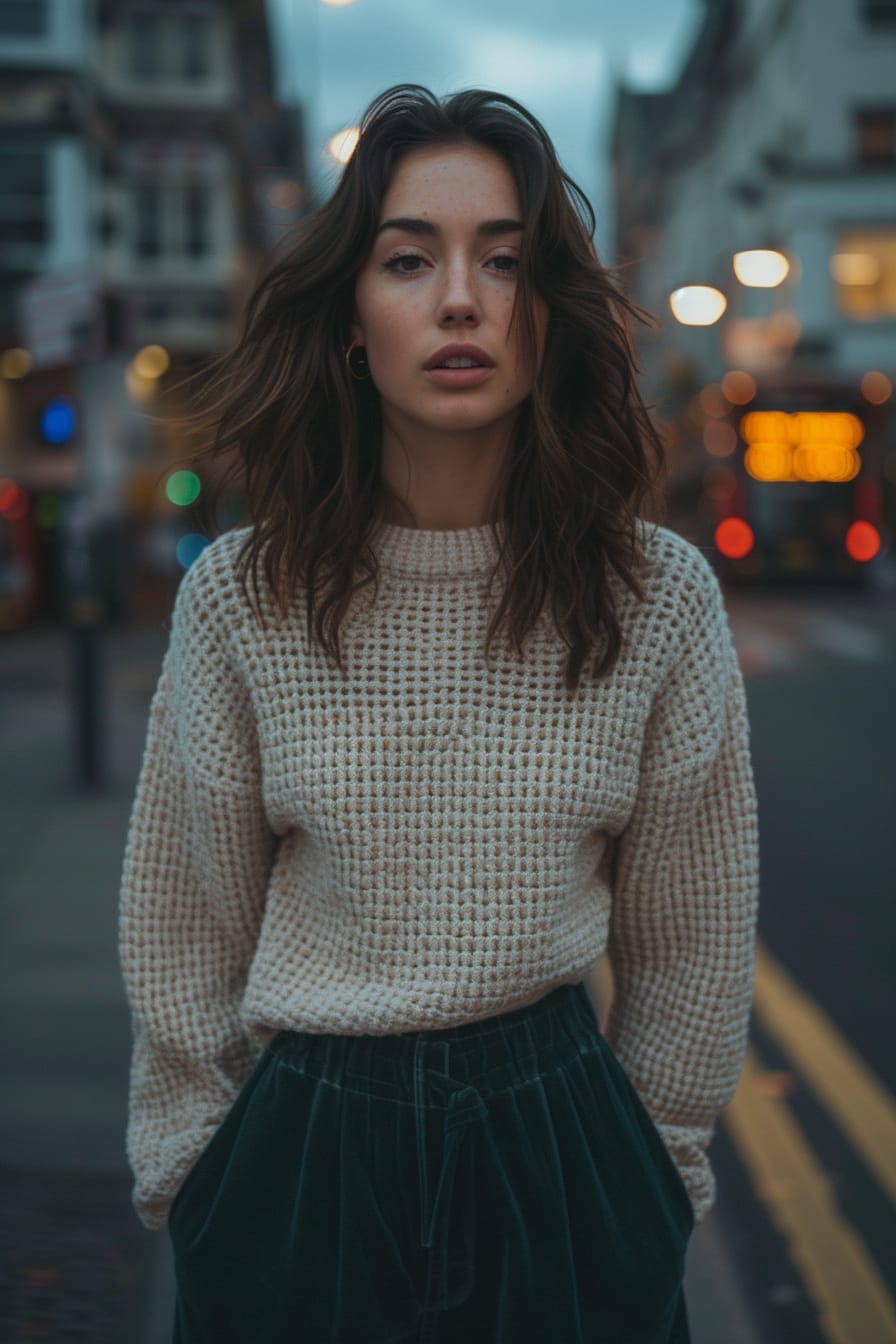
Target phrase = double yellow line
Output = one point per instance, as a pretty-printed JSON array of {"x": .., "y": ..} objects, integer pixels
[{"x": 853, "y": 1302}]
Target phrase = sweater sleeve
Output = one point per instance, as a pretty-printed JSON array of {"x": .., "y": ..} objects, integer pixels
[
  {"x": 685, "y": 893},
  {"x": 196, "y": 865}
]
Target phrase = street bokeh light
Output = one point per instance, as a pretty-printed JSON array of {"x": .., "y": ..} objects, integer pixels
[
  {"x": 739, "y": 387},
  {"x": 189, "y": 547},
  {"x": 761, "y": 268},
  {"x": 862, "y": 541},
  {"x": 183, "y": 487},
  {"x": 734, "y": 538},
  {"x": 342, "y": 145},
  {"x": 15, "y": 363},
  {"x": 152, "y": 361},
  {"x": 876, "y": 387},
  {"x": 697, "y": 305}
]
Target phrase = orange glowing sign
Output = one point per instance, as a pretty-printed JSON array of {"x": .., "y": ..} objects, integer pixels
[{"x": 803, "y": 446}]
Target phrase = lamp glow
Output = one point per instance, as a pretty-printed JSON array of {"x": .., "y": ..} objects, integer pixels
[
  {"x": 761, "y": 268},
  {"x": 697, "y": 305},
  {"x": 15, "y": 363},
  {"x": 342, "y": 144},
  {"x": 152, "y": 361}
]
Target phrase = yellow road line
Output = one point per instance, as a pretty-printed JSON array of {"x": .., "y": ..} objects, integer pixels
[
  {"x": 862, "y": 1106},
  {"x": 852, "y": 1299}
]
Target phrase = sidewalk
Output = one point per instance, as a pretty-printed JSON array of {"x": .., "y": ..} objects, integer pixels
[{"x": 76, "y": 1262}]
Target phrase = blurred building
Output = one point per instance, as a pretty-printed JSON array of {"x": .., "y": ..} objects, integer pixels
[
  {"x": 44, "y": 189},
  {"x": 146, "y": 169},
  {"x": 780, "y": 134}
]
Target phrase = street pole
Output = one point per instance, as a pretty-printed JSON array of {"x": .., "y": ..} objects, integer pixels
[
  {"x": 84, "y": 614},
  {"x": 84, "y": 606}
]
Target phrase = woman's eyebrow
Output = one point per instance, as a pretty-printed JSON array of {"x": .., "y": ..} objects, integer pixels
[{"x": 489, "y": 228}]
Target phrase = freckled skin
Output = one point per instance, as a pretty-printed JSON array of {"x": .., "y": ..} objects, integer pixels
[{"x": 442, "y": 447}]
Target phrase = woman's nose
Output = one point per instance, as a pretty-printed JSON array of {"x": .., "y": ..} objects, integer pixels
[{"x": 458, "y": 300}]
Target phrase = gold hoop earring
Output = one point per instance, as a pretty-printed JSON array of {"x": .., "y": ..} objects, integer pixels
[{"x": 362, "y": 377}]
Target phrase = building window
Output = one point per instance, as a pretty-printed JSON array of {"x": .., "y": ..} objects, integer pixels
[
  {"x": 23, "y": 18},
  {"x": 876, "y": 134},
  {"x": 145, "y": 57},
  {"x": 148, "y": 199},
  {"x": 879, "y": 13},
  {"x": 196, "y": 241},
  {"x": 23, "y": 198},
  {"x": 864, "y": 273},
  {"x": 195, "y": 46}
]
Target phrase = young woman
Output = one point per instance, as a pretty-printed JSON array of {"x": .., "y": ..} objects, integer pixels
[{"x": 371, "y": 860}]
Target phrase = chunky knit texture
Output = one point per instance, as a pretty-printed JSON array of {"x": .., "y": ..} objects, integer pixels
[{"x": 431, "y": 840}]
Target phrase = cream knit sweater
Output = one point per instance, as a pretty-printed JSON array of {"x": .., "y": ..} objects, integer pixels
[{"x": 430, "y": 841}]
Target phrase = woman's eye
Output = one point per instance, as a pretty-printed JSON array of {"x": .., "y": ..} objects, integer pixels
[
  {"x": 409, "y": 263},
  {"x": 395, "y": 263}
]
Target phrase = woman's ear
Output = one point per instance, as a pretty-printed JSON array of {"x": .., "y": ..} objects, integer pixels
[{"x": 357, "y": 335}]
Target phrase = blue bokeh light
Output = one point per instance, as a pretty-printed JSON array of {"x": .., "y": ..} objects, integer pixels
[
  {"x": 189, "y": 546},
  {"x": 57, "y": 421}
]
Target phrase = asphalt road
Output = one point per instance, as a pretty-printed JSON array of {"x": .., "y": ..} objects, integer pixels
[
  {"x": 801, "y": 1240},
  {"x": 807, "y": 1156}
]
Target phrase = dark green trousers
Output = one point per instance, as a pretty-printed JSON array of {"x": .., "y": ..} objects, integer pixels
[{"x": 494, "y": 1183}]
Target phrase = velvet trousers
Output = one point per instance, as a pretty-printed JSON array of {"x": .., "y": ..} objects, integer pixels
[{"x": 499, "y": 1182}]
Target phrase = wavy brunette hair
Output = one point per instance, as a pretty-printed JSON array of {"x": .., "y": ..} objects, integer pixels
[{"x": 584, "y": 453}]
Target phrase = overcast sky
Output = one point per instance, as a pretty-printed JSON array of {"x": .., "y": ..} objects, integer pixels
[{"x": 559, "y": 58}]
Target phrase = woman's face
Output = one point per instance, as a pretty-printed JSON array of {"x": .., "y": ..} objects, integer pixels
[{"x": 443, "y": 273}]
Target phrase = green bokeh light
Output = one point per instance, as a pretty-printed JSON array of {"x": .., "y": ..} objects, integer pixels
[{"x": 182, "y": 487}]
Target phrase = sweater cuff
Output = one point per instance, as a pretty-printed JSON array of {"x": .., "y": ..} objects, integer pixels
[
  {"x": 687, "y": 1147},
  {"x": 152, "y": 1210}
]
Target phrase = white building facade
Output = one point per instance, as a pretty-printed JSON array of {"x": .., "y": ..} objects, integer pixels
[{"x": 780, "y": 134}]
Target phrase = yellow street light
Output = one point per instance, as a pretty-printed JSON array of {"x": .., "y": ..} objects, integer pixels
[
  {"x": 15, "y": 362},
  {"x": 151, "y": 361},
  {"x": 760, "y": 268},
  {"x": 342, "y": 144},
  {"x": 697, "y": 305}
]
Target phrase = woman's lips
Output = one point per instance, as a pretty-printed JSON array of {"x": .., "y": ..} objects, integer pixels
[{"x": 459, "y": 377}]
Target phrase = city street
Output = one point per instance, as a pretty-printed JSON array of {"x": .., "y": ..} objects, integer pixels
[{"x": 799, "y": 1247}]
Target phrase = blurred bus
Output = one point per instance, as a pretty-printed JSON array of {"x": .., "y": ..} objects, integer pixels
[{"x": 792, "y": 488}]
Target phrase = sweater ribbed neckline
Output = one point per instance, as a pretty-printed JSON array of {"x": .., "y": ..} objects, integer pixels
[{"x": 426, "y": 553}]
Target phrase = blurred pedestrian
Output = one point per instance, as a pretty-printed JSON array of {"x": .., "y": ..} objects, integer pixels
[{"x": 365, "y": 879}]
